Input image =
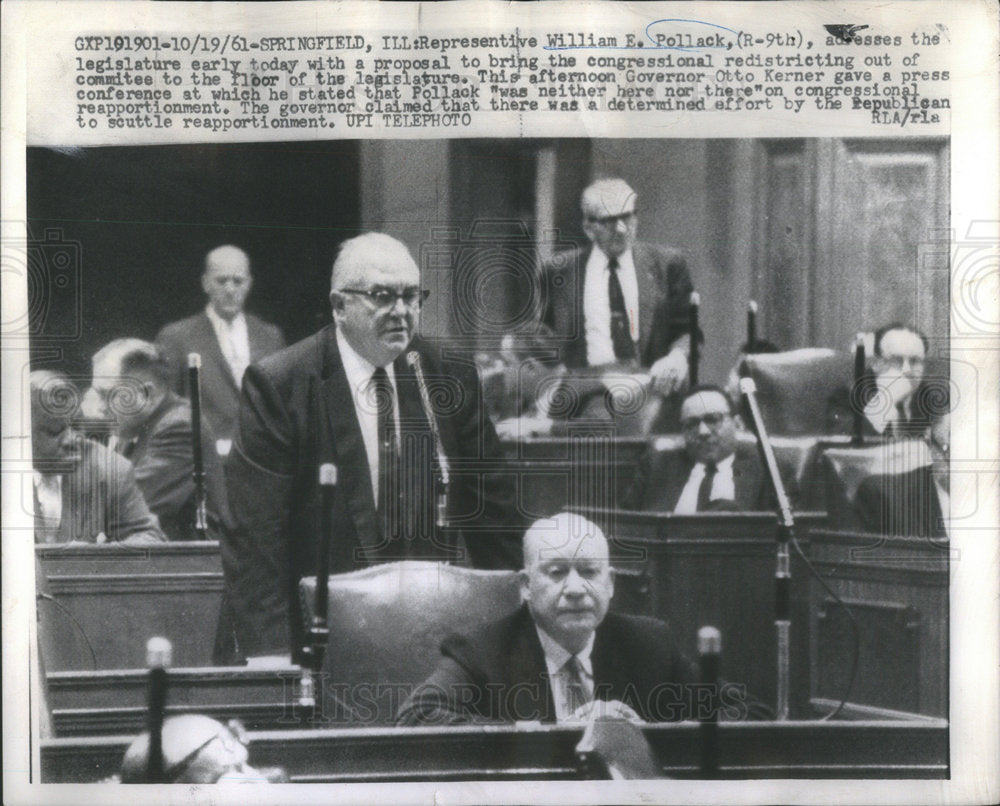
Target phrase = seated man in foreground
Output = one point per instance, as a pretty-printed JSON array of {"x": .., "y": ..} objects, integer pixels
[
  {"x": 562, "y": 653},
  {"x": 84, "y": 493}
]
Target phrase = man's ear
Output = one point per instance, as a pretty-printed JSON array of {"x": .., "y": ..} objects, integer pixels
[
  {"x": 611, "y": 582},
  {"x": 204, "y": 282},
  {"x": 336, "y": 301},
  {"x": 525, "y": 589}
]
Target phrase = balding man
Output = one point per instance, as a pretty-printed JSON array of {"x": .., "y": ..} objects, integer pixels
[
  {"x": 621, "y": 301},
  {"x": 131, "y": 388},
  {"x": 83, "y": 492},
  {"x": 563, "y": 652},
  {"x": 349, "y": 395},
  {"x": 227, "y": 338},
  {"x": 198, "y": 750}
]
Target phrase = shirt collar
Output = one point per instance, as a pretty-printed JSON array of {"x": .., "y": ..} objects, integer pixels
[
  {"x": 358, "y": 368},
  {"x": 218, "y": 323},
  {"x": 599, "y": 260},
  {"x": 556, "y": 654},
  {"x": 724, "y": 466}
]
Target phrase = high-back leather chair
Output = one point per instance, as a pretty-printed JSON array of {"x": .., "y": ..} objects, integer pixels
[
  {"x": 845, "y": 468},
  {"x": 386, "y": 625},
  {"x": 794, "y": 387}
]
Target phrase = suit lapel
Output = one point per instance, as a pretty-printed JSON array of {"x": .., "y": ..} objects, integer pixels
[
  {"x": 254, "y": 334},
  {"x": 342, "y": 420},
  {"x": 213, "y": 352},
  {"x": 528, "y": 674},
  {"x": 647, "y": 295}
]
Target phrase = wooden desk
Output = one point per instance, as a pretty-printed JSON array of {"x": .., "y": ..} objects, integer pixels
[
  {"x": 108, "y": 600},
  {"x": 718, "y": 568},
  {"x": 905, "y": 749}
]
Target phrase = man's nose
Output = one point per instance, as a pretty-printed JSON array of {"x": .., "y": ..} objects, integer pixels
[
  {"x": 703, "y": 428},
  {"x": 575, "y": 584},
  {"x": 621, "y": 225}
]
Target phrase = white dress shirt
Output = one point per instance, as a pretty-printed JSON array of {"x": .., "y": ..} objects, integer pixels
[
  {"x": 234, "y": 341},
  {"x": 359, "y": 378},
  {"x": 597, "y": 306},
  {"x": 723, "y": 486},
  {"x": 48, "y": 493},
  {"x": 555, "y": 659}
]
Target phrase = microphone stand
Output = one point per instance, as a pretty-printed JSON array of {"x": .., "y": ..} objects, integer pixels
[
  {"x": 194, "y": 390},
  {"x": 441, "y": 470},
  {"x": 782, "y": 574},
  {"x": 319, "y": 632},
  {"x": 709, "y": 649},
  {"x": 694, "y": 348},
  {"x": 158, "y": 652},
  {"x": 857, "y": 415},
  {"x": 751, "y": 327}
]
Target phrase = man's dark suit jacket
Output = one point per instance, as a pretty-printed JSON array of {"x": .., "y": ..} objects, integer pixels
[
  {"x": 100, "y": 497},
  {"x": 220, "y": 394},
  {"x": 662, "y": 476},
  {"x": 162, "y": 456},
  {"x": 901, "y": 504},
  {"x": 499, "y": 674},
  {"x": 297, "y": 413},
  {"x": 841, "y": 405},
  {"x": 664, "y": 295}
]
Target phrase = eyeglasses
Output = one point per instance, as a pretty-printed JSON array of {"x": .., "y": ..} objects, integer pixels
[
  {"x": 384, "y": 298},
  {"x": 899, "y": 361},
  {"x": 612, "y": 220},
  {"x": 713, "y": 420}
]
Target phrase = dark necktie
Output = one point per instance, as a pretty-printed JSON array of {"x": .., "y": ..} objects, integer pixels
[
  {"x": 621, "y": 333},
  {"x": 705, "y": 490},
  {"x": 576, "y": 691},
  {"x": 389, "y": 514}
]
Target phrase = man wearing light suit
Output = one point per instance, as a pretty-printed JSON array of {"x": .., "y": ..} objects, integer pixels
[
  {"x": 349, "y": 396},
  {"x": 227, "y": 339},
  {"x": 621, "y": 301}
]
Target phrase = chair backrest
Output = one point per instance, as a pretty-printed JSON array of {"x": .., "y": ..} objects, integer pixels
[
  {"x": 794, "y": 387},
  {"x": 846, "y": 468},
  {"x": 386, "y": 625}
]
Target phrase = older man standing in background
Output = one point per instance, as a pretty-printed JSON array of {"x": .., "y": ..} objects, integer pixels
[
  {"x": 227, "y": 338},
  {"x": 622, "y": 301}
]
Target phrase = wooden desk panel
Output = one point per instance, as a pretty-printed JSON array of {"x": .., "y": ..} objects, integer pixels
[{"x": 747, "y": 750}]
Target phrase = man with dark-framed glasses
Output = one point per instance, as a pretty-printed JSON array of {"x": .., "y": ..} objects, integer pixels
[
  {"x": 369, "y": 396},
  {"x": 714, "y": 471}
]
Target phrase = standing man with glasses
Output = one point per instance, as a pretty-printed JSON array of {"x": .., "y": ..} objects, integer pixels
[
  {"x": 350, "y": 395},
  {"x": 715, "y": 471},
  {"x": 622, "y": 301}
]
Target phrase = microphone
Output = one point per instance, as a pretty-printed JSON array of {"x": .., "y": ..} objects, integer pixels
[
  {"x": 319, "y": 632},
  {"x": 751, "y": 327},
  {"x": 442, "y": 474},
  {"x": 709, "y": 649},
  {"x": 857, "y": 415},
  {"x": 158, "y": 652},
  {"x": 693, "y": 330},
  {"x": 194, "y": 390}
]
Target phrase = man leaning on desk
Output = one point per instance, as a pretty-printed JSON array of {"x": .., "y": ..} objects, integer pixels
[{"x": 563, "y": 656}]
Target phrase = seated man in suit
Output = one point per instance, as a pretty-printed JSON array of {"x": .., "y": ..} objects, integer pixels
[
  {"x": 562, "y": 657},
  {"x": 198, "y": 750},
  {"x": 893, "y": 395},
  {"x": 84, "y": 493},
  {"x": 532, "y": 380},
  {"x": 227, "y": 339},
  {"x": 131, "y": 383},
  {"x": 715, "y": 471},
  {"x": 914, "y": 502},
  {"x": 350, "y": 395},
  {"x": 621, "y": 301}
]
